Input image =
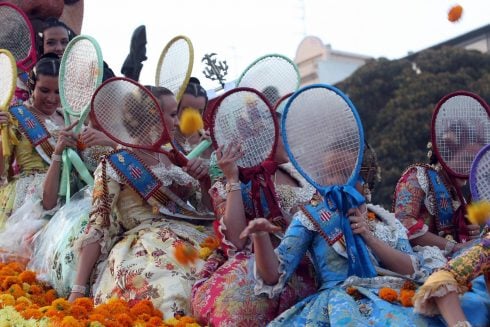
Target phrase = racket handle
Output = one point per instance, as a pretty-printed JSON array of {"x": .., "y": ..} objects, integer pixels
[
  {"x": 199, "y": 149},
  {"x": 80, "y": 167},
  {"x": 5, "y": 142}
]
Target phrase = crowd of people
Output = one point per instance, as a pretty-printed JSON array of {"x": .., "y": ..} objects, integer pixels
[{"x": 258, "y": 262}]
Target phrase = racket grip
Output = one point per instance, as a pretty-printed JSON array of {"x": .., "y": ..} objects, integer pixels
[
  {"x": 5, "y": 142},
  {"x": 80, "y": 167},
  {"x": 199, "y": 149}
]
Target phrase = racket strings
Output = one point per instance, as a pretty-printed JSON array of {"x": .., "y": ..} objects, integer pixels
[
  {"x": 15, "y": 34},
  {"x": 323, "y": 136},
  {"x": 274, "y": 76},
  {"x": 482, "y": 177},
  {"x": 81, "y": 73},
  {"x": 6, "y": 79},
  {"x": 245, "y": 119},
  {"x": 462, "y": 127},
  {"x": 128, "y": 113},
  {"x": 174, "y": 66}
]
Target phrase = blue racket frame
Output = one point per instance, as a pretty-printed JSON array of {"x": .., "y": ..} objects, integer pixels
[
  {"x": 472, "y": 178},
  {"x": 354, "y": 177}
]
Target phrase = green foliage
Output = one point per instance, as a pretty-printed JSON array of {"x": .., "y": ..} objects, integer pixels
[{"x": 395, "y": 100}]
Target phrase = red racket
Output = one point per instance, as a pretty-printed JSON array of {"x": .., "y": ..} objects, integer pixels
[
  {"x": 17, "y": 35},
  {"x": 460, "y": 128},
  {"x": 130, "y": 115}
]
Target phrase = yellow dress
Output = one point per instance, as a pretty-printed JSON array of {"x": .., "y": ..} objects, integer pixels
[{"x": 28, "y": 182}]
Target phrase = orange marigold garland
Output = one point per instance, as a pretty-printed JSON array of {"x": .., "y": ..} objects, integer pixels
[
  {"x": 185, "y": 254},
  {"x": 455, "y": 13},
  {"x": 24, "y": 301},
  {"x": 388, "y": 294}
]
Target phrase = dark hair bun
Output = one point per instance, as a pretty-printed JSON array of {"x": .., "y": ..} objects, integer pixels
[{"x": 194, "y": 80}]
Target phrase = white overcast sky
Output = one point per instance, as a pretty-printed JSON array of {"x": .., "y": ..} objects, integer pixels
[{"x": 242, "y": 30}]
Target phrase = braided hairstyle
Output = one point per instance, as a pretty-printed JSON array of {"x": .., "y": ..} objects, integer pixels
[
  {"x": 47, "y": 65},
  {"x": 195, "y": 89}
]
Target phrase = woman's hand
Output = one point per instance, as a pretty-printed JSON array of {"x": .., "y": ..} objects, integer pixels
[
  {"x": 66, "y": 138},
  {"x": 227, "y": 156},
  {"x": 259, "y": 226},
  {"x": 357, "y": 218},
  {"x": 74, "y": 295},
  {"x": 4, "y": 118},
  {"x": 197, "y": 168},
  {"x": 91, "y": 136},
  {"x": 473, "y": 231}
]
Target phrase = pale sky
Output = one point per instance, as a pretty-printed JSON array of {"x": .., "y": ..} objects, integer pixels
[{"x": 241, "y": 31}]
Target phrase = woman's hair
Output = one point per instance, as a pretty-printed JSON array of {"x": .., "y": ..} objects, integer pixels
[
  {"x": 47, "y": 24},
  {"x": 370, "y": 170},
  {"x": 47, "y": 65},
  {"x": 195, "y": 89}
]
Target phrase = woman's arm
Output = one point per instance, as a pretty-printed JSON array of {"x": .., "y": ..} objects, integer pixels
[
  {"x": 89, "y": 255},
  {"x": 52, "y": 181},
  {"x": 265, "y": 259},
  {"x": 391, "y": 258}
]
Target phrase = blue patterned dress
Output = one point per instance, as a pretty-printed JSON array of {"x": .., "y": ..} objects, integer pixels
[{"x": 332, "y": 305}]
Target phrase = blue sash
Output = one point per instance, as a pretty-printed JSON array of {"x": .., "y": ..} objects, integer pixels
[
  {"x": 248, "y": 203},
  {"x": 334, "y": 227},
  {"x": 142, "y": 180},
  {"x": 34, "y": 130},
  {"x": 135, "y": 173},
  {"x": 30, "y": 125},
  {"x": 443, "y": 202}
]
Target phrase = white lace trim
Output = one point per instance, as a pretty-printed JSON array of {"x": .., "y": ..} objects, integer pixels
[
  {"x": 305, "y": 221},
  {"x": 389, "y": 230},
  {"x": 271, "y": 290},
  {"x": 424, "y": 184}
]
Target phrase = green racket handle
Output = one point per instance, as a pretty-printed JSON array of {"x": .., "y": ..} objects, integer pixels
[
  {"x": 199, "y": 149},
  {"x": 80, "y": 167},
  {"x": 64, "y": 174}
]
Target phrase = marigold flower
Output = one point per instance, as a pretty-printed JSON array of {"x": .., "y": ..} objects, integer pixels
[
  {"x": 70, "y": 321},
  {"x": 50, "y": 296},
  {"x": 123, "y": 319},
  {"x": 184, "y": 321},
  {"x": 85, "y": 302},
  {"x": 21, "y": 306},
  {"x": 155, "y": 322},
  {"x": 142, "y": 307},
  {"x": 78, "y": 311},
  {"x": 28, "y": 277},
  {"x": 9, "y": 281},
  {"x": 190, "y": 121},
  {"x": 211, "y": 242},
  {"x": 185, "y": 254},
  {"x": 35, "y": 289},
  {"x": 16, "y": 291},
  {"x": 61, "y": 305},
  {"x": 478, "y": 212},
  {"x": 97, "y": 317},
  {"x": 455, "y": 13},
  {"x": 388, "y": 294},
  {"x": 409, "y": 285},
  {"x": 31, "y": 314},
  {"x": 16, "y": 266},
  {"x": 6, "y": 299},
  {"x": 204, "y": 253},
  {"x": 406, "y": 297}
]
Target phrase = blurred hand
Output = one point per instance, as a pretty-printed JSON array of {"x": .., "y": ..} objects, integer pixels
[
  {"x": 66, "y": 138},
  {"x": 227, "y": 156},
  {"x": 74, "y": 296},
  {"x": 473, "y": 231},
  {"x": 358, "y": 222},
  {"x": 91, "y": 136},
  {"x": 197, "y": 168},
  {"x": 4, "y": 118},
  {"x": 259, "y": 225}
]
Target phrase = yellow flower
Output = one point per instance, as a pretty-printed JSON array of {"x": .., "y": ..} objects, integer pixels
[
  {"x": 6, "y": 299},
  {"x": 204, "y": 253},
  {"x": 172, "y": 322},
  {"x": 190, "y": 121},
  {"x": 478, "y": 212}
]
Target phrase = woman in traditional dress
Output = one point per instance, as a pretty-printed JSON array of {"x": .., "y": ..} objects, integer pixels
[
  {"x": 343, "y": 300},
  {"x": 134, "y": 248},
  {"x": 225, "y": 297}
]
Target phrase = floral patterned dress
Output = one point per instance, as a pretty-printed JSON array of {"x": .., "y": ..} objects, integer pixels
[
  {"x": 332, "y": 305},
  {"x": 457, "y": 276},
  {"x": 140, "y": 247},
  {"x": 225, "y": 296}
]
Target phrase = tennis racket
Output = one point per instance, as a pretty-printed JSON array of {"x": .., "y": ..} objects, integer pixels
[
  {"x": 17, "y": 35},
  {"x": 175, "y": 65},
  {"x": 324, "y": 139},
  {"x": 460, "y": 128},
  {"x": 274, "y": 75},
  {"x": 130, "y": 115},
  {"x": 8, "y": 75},
  {"x": 81, "y": 72},
  {"x": 281, "y": 104},
  {"x": 480, "y": 175},
  {"x": 244, "y": 116}
]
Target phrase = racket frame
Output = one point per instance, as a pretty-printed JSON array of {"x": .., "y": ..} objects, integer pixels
[
  {"x": 473, "y": 173},
  {"x": 161, "y": 61},
  {"x": 28, "y": 62},
  {"x": 355, "y": 175},
  {"x": 433, "y": 131},
  {"x": 215, "y": 108}
]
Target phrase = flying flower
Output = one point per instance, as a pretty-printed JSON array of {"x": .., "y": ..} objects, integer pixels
[{"x": 455, "y": 13}]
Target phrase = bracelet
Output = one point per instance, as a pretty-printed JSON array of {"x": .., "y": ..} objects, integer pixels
[
  {"x": 56, "y": 157},
  {"x": 230, "y": 187},
  {"x": 79, "y": 289},
  {"x": 449, "y": 248}
]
